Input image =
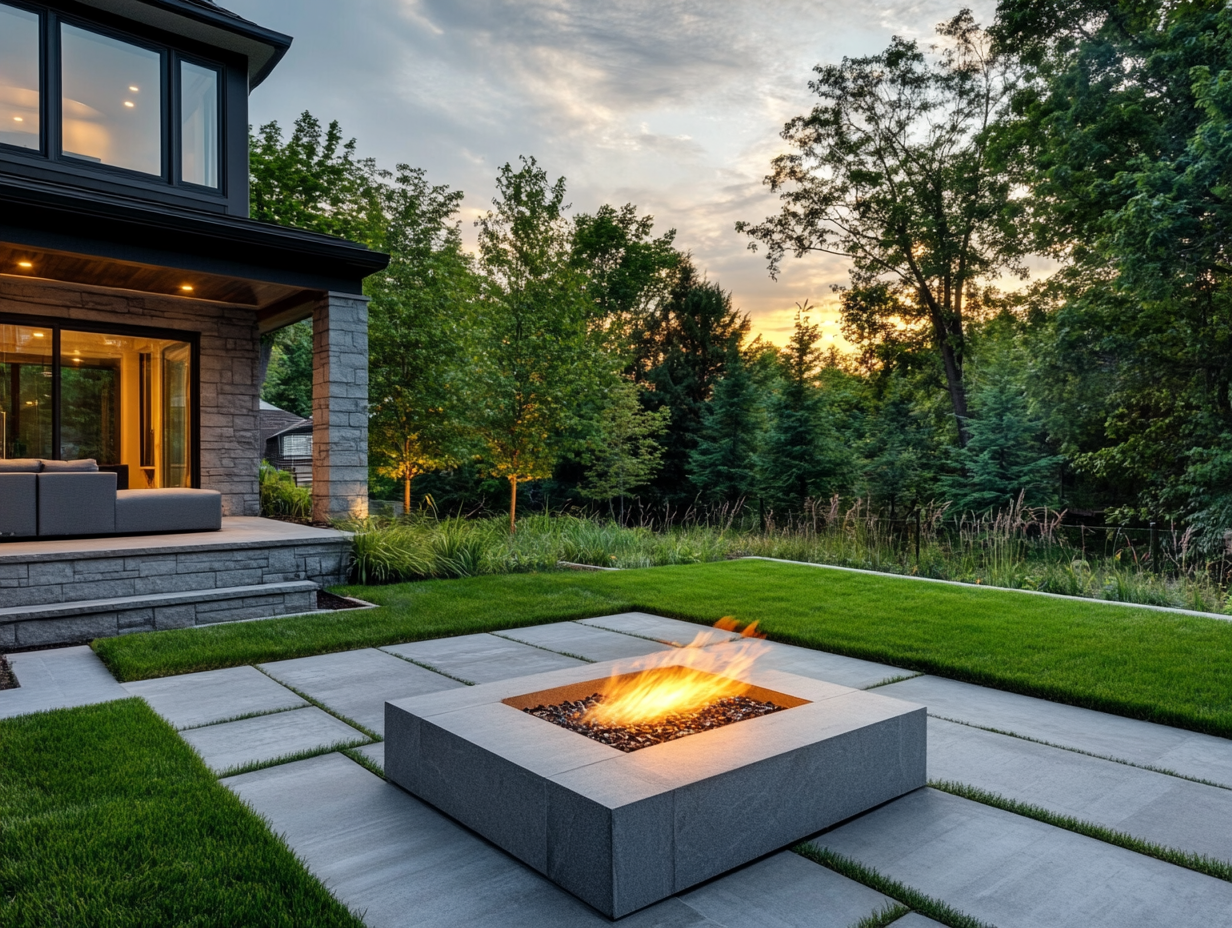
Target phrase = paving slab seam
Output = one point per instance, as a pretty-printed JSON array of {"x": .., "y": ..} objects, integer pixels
[
  {"x": 242, "y": 717},
  {"x": 337, "y": 746},
  {"x": 366, "y": 762},
  {"x": 324, "y": 708},
  {"x": 1062, "y": 747},
  {"x": 913, "y": 899},
  {"x": 1175, "y": 610},
  {"x": 617, "y": 631},
  {"x": 884, "y": 917},
  {"x": 902, "y": 678},
  {"x": 1200, "y": 863},
  {"x": 576, "y": 657},
  {"x": 426, "y": 666}
]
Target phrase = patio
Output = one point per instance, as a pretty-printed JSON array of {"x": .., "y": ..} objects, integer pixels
[
  {"x": 276, "y": 732},
  {"x": 70, "y": 590}
]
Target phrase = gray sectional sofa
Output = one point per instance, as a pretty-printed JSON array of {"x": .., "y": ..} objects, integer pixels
[{"x": 40, "y": 498}]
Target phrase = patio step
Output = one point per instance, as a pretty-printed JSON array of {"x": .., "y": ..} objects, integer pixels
[{"x": 83, "y": 620}]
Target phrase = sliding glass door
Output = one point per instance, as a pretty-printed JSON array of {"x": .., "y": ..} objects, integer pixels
[{"x": 122, "y": 398}]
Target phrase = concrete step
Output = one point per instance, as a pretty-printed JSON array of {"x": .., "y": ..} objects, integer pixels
[{"x": 71, "y": 622}]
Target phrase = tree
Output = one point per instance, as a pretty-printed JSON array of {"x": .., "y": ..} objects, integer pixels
[
  {"x": 287, "y": 382},
  {"x": 803, "y": 454},
  {"x": 893, "y": 171},
  {"x": 534, "y": 362},
  {"x": 625, "y": 453},
  {"x": 416, "y": 329},
  {"x": 900, "y": 449},
  {"x": 723, "y": 466}
]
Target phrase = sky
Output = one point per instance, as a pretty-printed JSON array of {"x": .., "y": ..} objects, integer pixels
[{"x": 672, "y": 105}]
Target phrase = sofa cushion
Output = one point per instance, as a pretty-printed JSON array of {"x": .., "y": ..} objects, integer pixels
[
  {"x": 18, "y": 505},
  {"x": 76, "y": 504},
  {"x": 20, "y": 466},
  {"x": 70, "y": 467},
  {"x": 169, "y": 510}
]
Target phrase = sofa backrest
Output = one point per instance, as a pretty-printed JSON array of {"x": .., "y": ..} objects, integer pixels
[{"x": 20, "y": 465}]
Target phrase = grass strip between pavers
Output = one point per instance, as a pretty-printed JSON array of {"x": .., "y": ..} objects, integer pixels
[
  {"x": 913, "y": 899},
  {"x": 1220, "y": 869},
  {"x": 108, "y": 818},
  {"x": 1157, "y": 666},
  {"x": 883, "y": 917}
]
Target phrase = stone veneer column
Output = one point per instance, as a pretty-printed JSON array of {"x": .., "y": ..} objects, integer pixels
[{"x": 340, "y": 407}]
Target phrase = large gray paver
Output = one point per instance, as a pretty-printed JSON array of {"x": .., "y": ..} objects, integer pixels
[
  {"x": 61, "y": 678},
  {"x": 1015, "y": 872},
  {"x": 268, "y": 737},
  {"x": 785, "y": 891},
  {"x": 821, "y": 665},
  {"x": 1204, "y": 757},
  {"x": 403, "y": 864},
  {"x": 669, "y": 631},
  {"x": 357, "y": 684},
  {"x": 915, "y": 920},
  {"x": 482, "y": 658},
  {"x": 1152, "y": 806},
  {"x": 374, "y": 752},
  {"x": 195, "y": 699},
  {"x": 585, "y": 641},
  {"x": 383, "y": 852}
]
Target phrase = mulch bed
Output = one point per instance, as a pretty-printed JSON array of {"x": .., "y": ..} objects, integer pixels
[
  {"x": 571, "y": 715},
  {"x": 7, "y": 680},
  {"x": 330, "y": 601}
]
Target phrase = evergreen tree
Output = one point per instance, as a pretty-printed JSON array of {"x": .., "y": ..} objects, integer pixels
[
  {"x": 900, "y": 450},
  {"x": 723, "y": 466},
  {"x": 1005, "y": 457}
]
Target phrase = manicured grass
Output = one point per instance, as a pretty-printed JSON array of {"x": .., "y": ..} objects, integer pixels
[
  {"x": 1141, "y": 663},
  {"x": 108, "y": 818}
]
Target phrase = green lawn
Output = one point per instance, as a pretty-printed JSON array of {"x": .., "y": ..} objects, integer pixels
[
  {"x": 108, "y": 818},
  {"x": 1136, "y": 662}
]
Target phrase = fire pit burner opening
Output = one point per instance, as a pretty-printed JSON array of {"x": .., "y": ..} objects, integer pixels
[{"x": 587, "y": 708}]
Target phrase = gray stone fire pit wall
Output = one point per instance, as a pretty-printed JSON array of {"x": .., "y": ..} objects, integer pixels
[{"x": 621, "y": 831}]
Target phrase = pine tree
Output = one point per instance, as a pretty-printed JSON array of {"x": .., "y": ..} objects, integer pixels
[{"x": 723, "y": 466}]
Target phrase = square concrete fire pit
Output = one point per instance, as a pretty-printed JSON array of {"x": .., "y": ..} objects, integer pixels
[{"x": 623, "y": 830}]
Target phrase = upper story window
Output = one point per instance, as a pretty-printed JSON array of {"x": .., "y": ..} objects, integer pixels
[
  {"x": 111, "y": 101},
  {"x": 20, "y": 86},
  {"x": 124, "y": 102}
]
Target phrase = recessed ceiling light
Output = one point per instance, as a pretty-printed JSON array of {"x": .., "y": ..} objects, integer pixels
[
  {"x": 129, "y": 103},
  {"x": 18, "y": 119},
  {"x": 38, "y": 334},
  {"x": 135, "y": 89},
  {"x": 187, "y": 288},
  {"x": 26, "y": 264}
]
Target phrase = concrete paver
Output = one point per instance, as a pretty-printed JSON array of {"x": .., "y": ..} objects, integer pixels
[
  {"x": 382, "y": 851},
  {"x": 268, "y": 737},
  {"x": 915, "y": 920},
  {"x": 669, "y": 631},
  {"x": 575, "y": 639},
  {"x": 374, "y": 752},
  {"x": 60, "y": 678},
  {"x": 195, "y": 699},
  {"x": 1014, "y": 872},
  {"x": 833, "y": 668},
  {"x": 357, "y": 684},
  {"x": 1204, "y": 757},
  {"x": 482, "y": 658},
  {"x": 1153, "y": 806}
]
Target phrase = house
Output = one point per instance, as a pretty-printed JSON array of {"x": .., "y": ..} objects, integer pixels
[
  {"x": 134, "y": 288},
  {"x": 287, "y": 439}
]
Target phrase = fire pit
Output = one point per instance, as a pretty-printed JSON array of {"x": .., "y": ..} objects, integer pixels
[{"x": 629, "y": 781}]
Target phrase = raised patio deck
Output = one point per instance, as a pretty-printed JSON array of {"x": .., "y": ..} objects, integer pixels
[{"x": 66, "y": 591}]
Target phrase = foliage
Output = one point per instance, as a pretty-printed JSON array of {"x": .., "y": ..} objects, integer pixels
[
  {"x": 110, "y": 818},
  {"x": 723, "y": 466},
  {"x": 281, "y": 497},
  {"x": 417, "y": 333},
  {"x": 288, "y": 378},
  {"x": 893, "y": 172},
  {"x": 534, "y": 364},
  {"x": 625, "y": 453}
]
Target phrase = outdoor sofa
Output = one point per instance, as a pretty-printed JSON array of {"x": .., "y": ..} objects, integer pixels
[{"x": 40, "y": 498}]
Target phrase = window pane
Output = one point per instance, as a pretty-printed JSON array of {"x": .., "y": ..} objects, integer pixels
[
  {"x": 199, "y": 124},
  {"x": 126, "y": 400},
  {"x": 19, "y": 77},
  {"x": 25, "y": 391},
  {"x": 112, "y": 101}
]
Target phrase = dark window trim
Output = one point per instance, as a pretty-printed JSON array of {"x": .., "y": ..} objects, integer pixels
[
  {"x": 48, "y": 160},
  {"x": 102, "y": 328}
]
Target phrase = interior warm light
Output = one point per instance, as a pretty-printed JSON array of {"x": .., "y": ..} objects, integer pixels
[
  {"x": 135, "y": 89},
  {"x": 18, "y": 119},
  {"x": 38, "y": 334},
  {"x": 129, "y": 103},
  {"x": 687, "y": 687},
  {"x": 25, "y": 264},
  {"x": 187, "y": 288}
]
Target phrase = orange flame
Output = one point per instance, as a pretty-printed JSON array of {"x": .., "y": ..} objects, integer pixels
[{"x": 702, "y": 678}]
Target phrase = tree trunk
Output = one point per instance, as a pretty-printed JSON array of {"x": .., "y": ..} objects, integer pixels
[
  {"x": 513, "y": 505},
  {"x": 957, "y": 391},
  {"x": 406, "y": 493}
]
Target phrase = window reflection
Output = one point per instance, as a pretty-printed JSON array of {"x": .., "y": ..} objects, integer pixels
[
  {"x": 25, "y": 391},
  {"x": 112, "y": 101},
  {"x": 199, "y": 124},
  {"x": 19, "y": 77},
  {"x": 126, "y": 400}
]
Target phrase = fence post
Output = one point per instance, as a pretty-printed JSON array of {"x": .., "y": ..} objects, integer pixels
[{"x": 1155, "y": 565}]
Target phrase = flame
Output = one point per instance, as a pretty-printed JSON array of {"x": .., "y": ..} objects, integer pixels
[{"x": 695, "y": 678}]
